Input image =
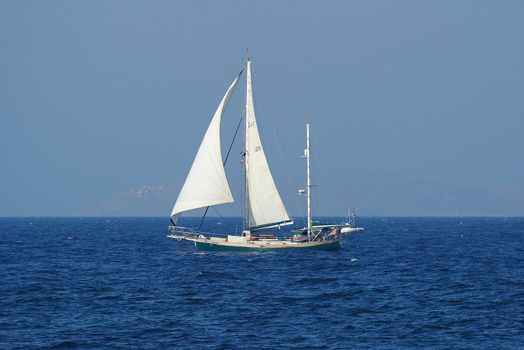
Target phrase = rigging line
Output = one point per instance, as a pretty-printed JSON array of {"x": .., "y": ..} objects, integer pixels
[
  {"x": 311, "y": 184},
  {"x": 315, "y": 176},
  {"x": 297, "y": 204},
  {"x": 239, "y": 191},
  {"x": 219, "y": 214},
  {"x": 242, "y": 189},
  {"x": 329, "y": 176},
  {"x": 234, "y": 137},
  {"x": 224, "y": 163},
  {"x": 324, "y": 162}
]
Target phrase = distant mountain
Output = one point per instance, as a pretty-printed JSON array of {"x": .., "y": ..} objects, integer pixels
[
  {"x": 371, "y": 194},
  {"x": 145, "y": 200},
  {"x": 381, "y": 194}
]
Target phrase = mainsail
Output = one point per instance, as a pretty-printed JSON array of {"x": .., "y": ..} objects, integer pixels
[
  {"x": 265, "y": 207},
  {"x": 206, "y": 184}
]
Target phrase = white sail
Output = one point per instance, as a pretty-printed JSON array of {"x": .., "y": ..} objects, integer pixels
[
  {"x": 206, "y": 184},
  {"x": 266, "y": 208}
]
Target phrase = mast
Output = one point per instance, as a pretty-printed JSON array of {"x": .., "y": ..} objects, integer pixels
[
  {"x": 245, "y": 152},
  {"x": 308, "y": 184}
]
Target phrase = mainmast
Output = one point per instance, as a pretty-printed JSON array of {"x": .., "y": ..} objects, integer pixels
[{"x": 246, "y": 148}]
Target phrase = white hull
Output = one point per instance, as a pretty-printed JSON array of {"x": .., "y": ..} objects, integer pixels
[{"x": 347, "y": 230}]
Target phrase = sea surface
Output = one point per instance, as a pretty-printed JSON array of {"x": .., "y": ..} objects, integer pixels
[{"x": 120, "y": 283}]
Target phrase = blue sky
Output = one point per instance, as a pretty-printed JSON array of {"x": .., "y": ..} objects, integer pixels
[{"x": 97, "y": 97}]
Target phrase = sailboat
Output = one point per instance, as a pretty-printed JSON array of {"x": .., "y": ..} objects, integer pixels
[
  {"x": 348, "y": 227},
  {"x": 206, "y": 185},
  {"x": 351, "y": 225}
]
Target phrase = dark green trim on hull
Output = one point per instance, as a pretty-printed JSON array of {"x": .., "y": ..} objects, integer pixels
[{"x": 212, "y": 247}]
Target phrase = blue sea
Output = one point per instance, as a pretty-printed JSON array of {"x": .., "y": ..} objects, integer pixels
[{"x": 120, "y": 283}]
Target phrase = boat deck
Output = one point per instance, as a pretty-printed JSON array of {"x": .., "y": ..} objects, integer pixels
[{"x": 219, "y": 243}]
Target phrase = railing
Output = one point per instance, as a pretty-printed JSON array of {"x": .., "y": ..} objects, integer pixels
[
  {"x": 181, "y": 232},
  {"x": 192, "y": 233}
]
